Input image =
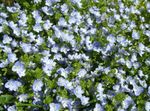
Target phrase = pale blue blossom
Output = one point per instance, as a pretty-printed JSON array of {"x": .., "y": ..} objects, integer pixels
[
  {"x": 48, "y": 2},
  {"x": 12, "y": 108},
  {"x": 37, "y": 85},
  {"x": 12, "y": 57},
  {"x": 37, "y": 27},
  {"x": 23, "y": 97},
  {"x": 78, "y": 91},
  {"x": 3, "y": 63},
  {"x": 82, "y": 73},
  {"x": 135, "y": 35},
  {"x": 54, "y": 107},
  {"x": 19, "y": 68},
  {"x": 47, "y": 25},
  {"x": 78, "y": 2},
  {"x": 6, "y": 39},
  {"x": 13, "y": 85},
  {"x": 64, "y": 8},
  {"x": 62, "y": 22},
  {"x": 84, "y": 100},
  {"x": 127, "y": 102},
  {"x": 98, "y": 107},
  {"x": 147, "y": 106},
  {"x": 26, "y": 47},
  {"x": 37, "y": 1}
]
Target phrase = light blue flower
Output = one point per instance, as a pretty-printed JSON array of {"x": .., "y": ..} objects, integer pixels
[
  {"x": 37, "y": 85},
  {"x": 19, "y": 68},
  {"x": 13, "y": 85},
  {"x": 135, "y": 35},
  {"x": 12, "y": 57}
]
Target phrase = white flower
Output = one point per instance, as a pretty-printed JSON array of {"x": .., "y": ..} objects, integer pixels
[
  {"x": 18, "y": 67},
  {"x": 135, "y": 35},
  {"x": 12, "y": 108},
  {"x": 98, "y": 107},
  {"x": 84, "y": 100},
  {"x": 12, "y": 57},
  {"x": 37, "y": 85},
  {"x": 47, "y": 25},
  {"x": 147, "y": 106},
  {"x": 23, "y": 97},
  {"x": 13, "y": 85}
]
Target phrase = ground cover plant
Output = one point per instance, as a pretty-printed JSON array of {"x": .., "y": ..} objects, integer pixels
[{"x": 74, "y": 55}]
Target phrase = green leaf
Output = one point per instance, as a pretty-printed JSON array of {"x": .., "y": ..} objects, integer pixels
[
  {"x": 48, "y": 99},
  {"x": 38, "y": 73},
  {"x": 5, "y": 99}
]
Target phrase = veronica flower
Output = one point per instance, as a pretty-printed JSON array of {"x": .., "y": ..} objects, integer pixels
[
  {"x": 18, "y": 67},
  {"x": 37, "y": 27},
  {"x": 62, "y": 22},
  {"x": 84, "y": 100},
  {"x": 64, "y": 8},
  {"x": 26, "y": 47},
  {"x": 37, "y": 85},
  {"x": 39, "y": 40},
  {"x": 78, "y": 2},
  {"x": 16, "y": 31},
  {"x": 12, "y": 108},
  {"x": 12, "y": 57},
  {"x": 78, "y": 91},
  {"x": 149, "y": 90},
  {"x": 1, "y": 29},
  {"x": 23, "y": 20},
  {"x": 14, "y": 43},
  {"x": 94, "y": 10},
  {"x": 82, "y": 73},
  {"x": 54, "y": 107},
  {"x": 7, "y": 49},
  {"x": 37, "y": 1},
  {"x": 111, "y": 39},
  {"x": 127, "y": 102},
  {"x": 23, "y": 97},
  {"x": 48, "y": 2},
  {"x": 47, "y": 25},
  {"x": 147, "y": 106},
  {"x": 6, "y": 39},
  {"x": 98, "y": 107},
  {"x": 129, "y": 64},
  {"x": 12, "y": 85},
  {"x": 4, "y": 63},
  {"x": 135, "y": 35}
]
